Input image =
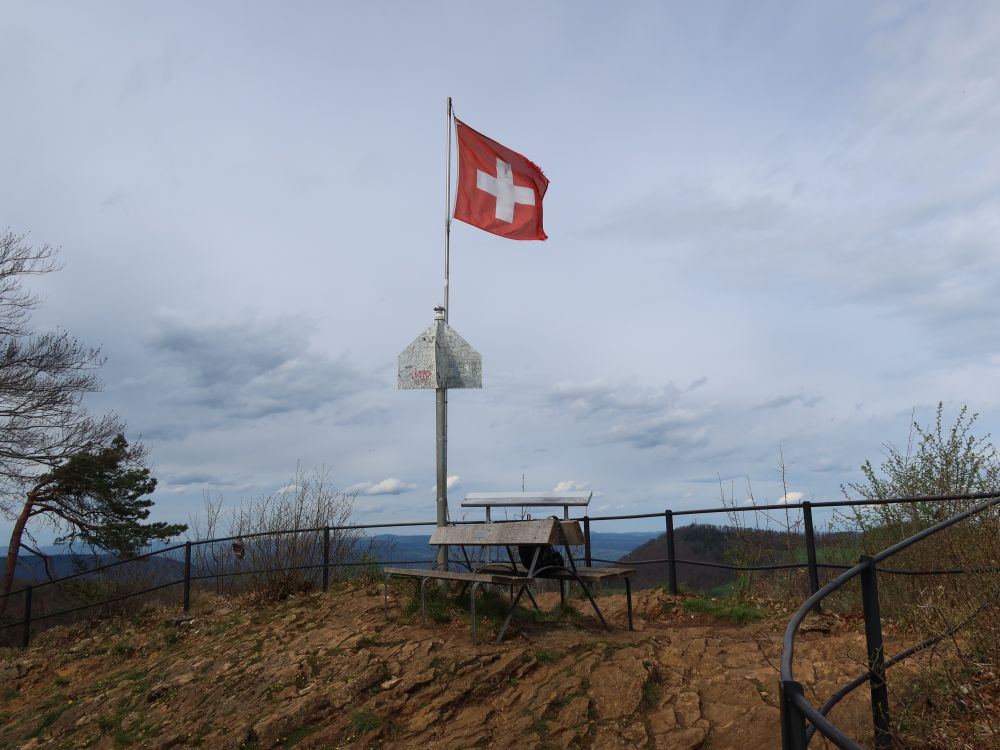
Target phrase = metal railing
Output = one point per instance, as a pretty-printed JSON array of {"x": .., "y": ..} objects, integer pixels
[
  {"x": 796, "y": 710},
  {"x": 190, "y": 573}
]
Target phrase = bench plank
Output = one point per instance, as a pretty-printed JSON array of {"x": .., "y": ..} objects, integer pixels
[
  {"x": 458, "y": 575},
  {"x": 502, "y": 534},
  {"x": 587, "y": 574}
]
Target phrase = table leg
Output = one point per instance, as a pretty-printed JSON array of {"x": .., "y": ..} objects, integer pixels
[
  {"x": 472, "y": 609},
  {"x": 423, "y": 597},
  {"x": 628, "y": 598},
  {"x": 513, "y": 606}
]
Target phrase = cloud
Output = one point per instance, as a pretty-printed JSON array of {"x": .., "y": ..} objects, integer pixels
[
  {"x": 570, "y": 485},
  {"x": 250, "y": 368},
  {"x": 390, "y": 486},
  {"x": 453, "y": 481},
  {"x": 692, "y": 213},
  {"x": 791, "y": 497},
  {"x": 640, "y": 416},
  {"x": 779, "y": 401},
  {"x": 183, "y": 480}
]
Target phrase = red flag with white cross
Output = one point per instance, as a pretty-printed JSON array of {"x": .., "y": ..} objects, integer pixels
[{"x": 499, "y": 190}]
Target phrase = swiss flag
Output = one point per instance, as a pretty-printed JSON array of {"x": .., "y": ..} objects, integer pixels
[{"x": 498, "y": 189}]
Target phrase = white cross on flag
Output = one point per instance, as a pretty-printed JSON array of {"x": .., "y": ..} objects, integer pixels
[{"x": 499, "y": 190}]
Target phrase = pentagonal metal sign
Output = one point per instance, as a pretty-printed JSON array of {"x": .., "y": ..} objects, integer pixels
[{"x": 440, "y": 358}]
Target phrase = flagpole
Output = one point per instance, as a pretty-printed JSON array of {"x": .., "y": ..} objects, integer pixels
[
  {"x": 447, "y": 211},
  {"x": 441, "y": 394}
]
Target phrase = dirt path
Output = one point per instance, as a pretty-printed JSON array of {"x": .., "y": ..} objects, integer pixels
[{"x": 327, "y": 671}]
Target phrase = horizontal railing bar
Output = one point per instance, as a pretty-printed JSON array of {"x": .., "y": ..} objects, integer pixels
[
  {"x": 97, "y": 604},
  {"x": 103, "y": 567},
  {"x": 703, "y": 564},
  {"x": 259, "y": 571}
]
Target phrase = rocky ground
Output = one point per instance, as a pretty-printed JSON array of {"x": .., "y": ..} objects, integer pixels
[{"x": 328, "y": 671}]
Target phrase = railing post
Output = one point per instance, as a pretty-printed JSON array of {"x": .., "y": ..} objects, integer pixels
[
  {"x": 326, "y": 558},
  {"x": 876, "y": 654},
  {"x": 807, "y": 518},
  {"x": 586, "y": 542},
  {"x": 187, "y": 576},
  {"x": 26, "y": 633},
  {"x": 793, "y": 723},
  {"x": 668, "y": 516}
]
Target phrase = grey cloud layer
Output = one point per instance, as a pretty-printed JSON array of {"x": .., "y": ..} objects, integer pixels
[{"x": 251, "y": 369}]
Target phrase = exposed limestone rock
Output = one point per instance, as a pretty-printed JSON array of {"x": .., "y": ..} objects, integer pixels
[
  {"x": 616, "y": 685},
  {"x": 328, "y": 671},
  {"x": 687, "y": 707}
]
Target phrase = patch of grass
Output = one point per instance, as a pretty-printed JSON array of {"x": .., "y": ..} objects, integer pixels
[
  {"x": 610, "y": 649},
  {"x": 312, "y": 661},
  {"x": 61, "y": 681},
  {"x": 548, "y": 656},
  {"x": 437, "y": 663},
  {"x": 651, "y": 692},
  {"x": 560, "y": 702},
  {"x": 540, "y": 727},
  {"x": 251, "y": 741},
  {"x": 112, "y": 726},
  {"x": 272, "y": 690},
  {"x": 437, "y": 606},
  {"x": 364, "y": 721},
  {"x": 737, "y": 613},
  {"x": 298, "y": 735},
  {"x": 123, "y": 738},
  {"x": 48, "y": 719},
  {"x": 122, "y": 650},
  {"x": 560, "y": 613}
]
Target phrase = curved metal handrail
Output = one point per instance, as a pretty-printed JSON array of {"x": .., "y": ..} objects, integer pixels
[{"x": 794, "y": 733}]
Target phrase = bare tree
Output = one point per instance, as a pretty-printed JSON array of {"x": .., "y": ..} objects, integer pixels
[{"x": 43, "y": 380}]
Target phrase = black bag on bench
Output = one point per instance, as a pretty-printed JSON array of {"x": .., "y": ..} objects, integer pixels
[{"x": 548, "y": 556}]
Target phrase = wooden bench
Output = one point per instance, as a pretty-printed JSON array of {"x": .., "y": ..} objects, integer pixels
[{"x": 512, "y": 573}]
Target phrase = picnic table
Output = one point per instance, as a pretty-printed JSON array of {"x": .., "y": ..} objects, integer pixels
[
  {"x": 490, "y": 500},
  {"x": 535, "y": 536}
]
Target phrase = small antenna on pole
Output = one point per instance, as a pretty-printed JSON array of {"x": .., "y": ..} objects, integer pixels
[{"x": 522, "y": 482}]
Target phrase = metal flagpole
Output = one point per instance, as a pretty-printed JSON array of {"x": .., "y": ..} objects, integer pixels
[
  {"x": 447, "y": 212},
  {"x": 441, "y": 393}
]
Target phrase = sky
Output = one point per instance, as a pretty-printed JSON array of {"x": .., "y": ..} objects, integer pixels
[{"x": 772, "y": 238}]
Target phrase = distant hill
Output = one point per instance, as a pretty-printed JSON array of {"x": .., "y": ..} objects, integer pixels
[
  {"x": 725, "y": 545},
  {"x": 31, "y": 569}
]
